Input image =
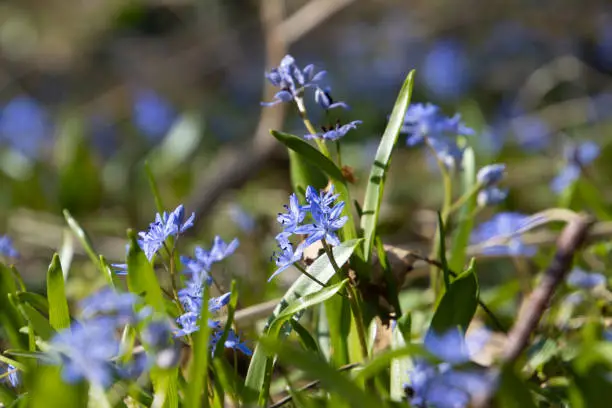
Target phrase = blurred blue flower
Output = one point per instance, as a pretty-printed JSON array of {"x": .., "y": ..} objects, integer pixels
[
  {"x": 152, "y": 114},
  {"x": 531, "y": 133},
  {"x": 603, "y": 47},
  {"x": 86, "y": 350},
  {"x": 585, "y": 280},
  {"x": 291, "y": 80},
  {"x": 446, "y": 70},
  {"x": 491, "y": 174},
  {"x": 24, "y": 125},
  {"x": 6, "y": 247},
  {"x": 491, "y": 196},
  {"x": 245, "y": 221},
  {"x": 201, "y": 265},
  {"x": 13, "y": 377},
  {"x": 286, "y": 256},
  {"x": 164, "y": 226},
  {"x": 336, "y": 132},
  {"x": 157, "y": 334},
  {"x": 576, "y": 157},
  {"x": 327, "y": 219},
  {"x": 325, "y": 101},
  {"x": 449, "y": 347},
  {"x": 503, "y": 226},
  {"x": 108, "y": 302}
]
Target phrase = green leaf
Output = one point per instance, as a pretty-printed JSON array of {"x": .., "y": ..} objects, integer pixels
[
  {"x": 260, "y": 369},
  {"x": 10, "y": 318},
  {"x": 111, "y": 277},
  {"x": 317, "y": 159},
  {"x": 390, "y": 280},
  {"x": 376, "y": 181},
  {"x": 316, "y": 367},
  {"x": 338, "y": 317},
  {"x": 7, "y": 396},
  {"x": 59, "y": 316},
  {"x": 442, "y": 254},
  {"x": 154, "y": 190},
  {"x": 198, "y": 373},
  {"x": 83, "y": 239},
  {"x": 513, "y": 392},
  {"x": 458, "y": 304},
  {"x": 399, "y": 366},
  {"x": 304, "y": 174},
  {"x": 306, "y": 339},
  {"x": 39, "y": 323},
  {"x": 38, "y": 301},
  {"x": 50, "y": 389},
  {"x": 227, "y": 377},
  {"x": 141, "y": 276},
  {"x": 381, "y": 361},
  {"x": 465, "y": 225}
]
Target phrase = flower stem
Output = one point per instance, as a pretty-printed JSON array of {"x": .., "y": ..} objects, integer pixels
[
  {"x": 309, "y": 126},
  {"x": 464, "y": 198},
  {"x": 305, "y": 272},
  {"x": 173, "y": 276}
]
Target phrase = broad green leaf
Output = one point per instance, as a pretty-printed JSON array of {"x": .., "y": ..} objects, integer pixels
[
  {"x": 320, "y": 269},
  {"x": 442, "y": 248},
  {"x": 83, "y": 239},
  {"x": 154, "y": 190},
  {"x": 10, "y": 318},
  {"x": 458, "y": 304},
  {"x": 461, "y": 238},
  {"x": 141, "y": 276},
  {"x": 49, "y": 389},
  {"x": 59, "y": 316},
  {"x": 376, "y": 181},
  {"x": 314, "y": 366},
  {"x": 198, "y": 373},
  {"x": 165, "y": 387},
  {"x": 513, "y": 392},
  {"x": 304, "y": 174},
  {"x": 39, "y": 323},
  {"x": 317, "y": 159},
  {"x": 260, "y": 370},
  {"x": 110, "y": 276},
  {"x": 338, "y": 317},
  {"x": 400, "y": 366}
]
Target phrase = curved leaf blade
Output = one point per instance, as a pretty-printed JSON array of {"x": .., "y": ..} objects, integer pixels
[
  {"x": 59, "y": 316},
  {"x": 376, "y": 183},
  {"x": 141, "y": 276}
]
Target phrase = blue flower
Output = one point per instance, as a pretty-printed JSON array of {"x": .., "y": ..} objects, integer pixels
[
  {"x": 152, "y": 114},
  {"x": 503, "y": 226},
  {"x": 164, "y": 226},
  {"x": 13, "y": 376},
  {"x": 110, "y": 303},
  {"x": 201, "y": 266},
  {"x": 86, "y": 350},
  {"x": 491, "y": 174},
  {"x": 324, "y": 99},
  {"x": 446, "y": 70},
  {"x": 291, "y": 80},
  {"x": 232, "y": 341},
  {"x": 449, "y": 347},
  {"x": 577, "y": 157},
  {"x": 24, "y": 124},
  {"x": 293, "y": 217},
  {"x": 326, "y": 219},
  {"x": 245, "y": 221},
  {"x": 585, "y": 280},
  {"x": 426, "y": 121},
  {"x": 287, "y": 256},
  {"x": 491, "y": 196},
  {"x": 6, "y": 247},
  {"x": 336, "y": 132},
  {"x": 216, "y": 303}
]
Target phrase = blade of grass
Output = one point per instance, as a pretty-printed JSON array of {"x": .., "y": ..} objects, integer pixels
[
  {"x": 141, "y": 276},
  {"x": 59, "y": 316},
  {"x": 198, "y": 373},
  {"x": 376, "y": 181}
]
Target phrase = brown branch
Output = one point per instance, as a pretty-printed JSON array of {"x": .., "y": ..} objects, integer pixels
[{"x": 570, "y": 241}]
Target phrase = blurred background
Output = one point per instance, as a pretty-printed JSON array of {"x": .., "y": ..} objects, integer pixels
[{"x": 90, "y": 90}]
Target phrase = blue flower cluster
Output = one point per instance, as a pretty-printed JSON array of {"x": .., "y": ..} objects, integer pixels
[
  {"x": 12, "y": 376},
  {"x": 293, "y": 81},
  {"x": 448, "y": 384},
  {"x": 503, "y": 226},
  {"x": 425, "y": 123},
  {"x": 6, "y": 247},
  {"x": 191, "y": 295},
  {"x": 488, "y": 177},
  {"x": 164, "y": 226},
  {"x": 325, "y": 218},
  {"x": 579, "y": 278},
  {"x": 576, "y": 157},
  {"x": 87, "y": 348}
]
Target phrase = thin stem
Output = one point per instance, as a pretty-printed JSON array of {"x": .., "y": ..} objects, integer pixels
[
  {"x": 305, "y": 272},
  {"x": 464, "y": 198},
  {"x": 339, "y": 153},
  {"x": 172, "y": 276},
  {"x": 309, "y": 126}
]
